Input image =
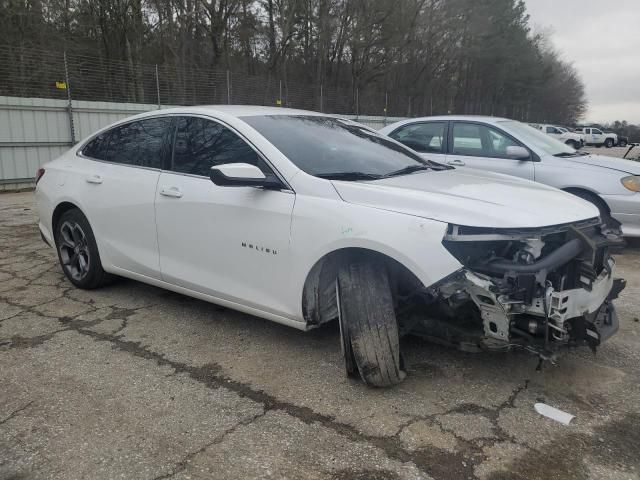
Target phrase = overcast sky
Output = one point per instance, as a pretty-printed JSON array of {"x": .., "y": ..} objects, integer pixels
[{"x": 602, "y": 40}]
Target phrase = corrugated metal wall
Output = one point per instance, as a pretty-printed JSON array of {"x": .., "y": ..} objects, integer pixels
[{"x": 34, "y": 131}]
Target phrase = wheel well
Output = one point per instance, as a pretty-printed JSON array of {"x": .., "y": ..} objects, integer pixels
[
  {"x": 319, "y": 293},
  {"x": 59, "y": 210},
  {"x": 590, "y": 196}
]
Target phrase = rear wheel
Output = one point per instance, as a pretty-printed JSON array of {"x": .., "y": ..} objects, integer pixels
[
  {"x": 608, "y": 142},
  {"x": 368, "y": 326},
  {"x": 573, "y": 144},
  {"x": 622, "y": 143},
  {"x": 78, "y": 251}
]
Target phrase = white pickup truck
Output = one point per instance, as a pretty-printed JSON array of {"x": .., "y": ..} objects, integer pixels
[
  {"x": 572, "y": 139},
  {"x": 596, "y": 137}
]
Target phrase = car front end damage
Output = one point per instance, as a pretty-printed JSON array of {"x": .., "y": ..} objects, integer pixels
[{"x": 538, "y": 289}]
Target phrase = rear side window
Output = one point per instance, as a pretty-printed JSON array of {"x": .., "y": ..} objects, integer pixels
[
  {"x": 422, "y": 137},
  {"x": 139, "y": 143},
  {"x": 201, "y": 144},
  {"x": 97, "y": 148}
]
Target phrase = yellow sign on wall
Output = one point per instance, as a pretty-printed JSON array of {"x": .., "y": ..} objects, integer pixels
[{"x": 61, "y": 85}]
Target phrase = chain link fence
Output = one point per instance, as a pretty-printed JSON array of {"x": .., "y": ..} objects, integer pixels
[{"x": 54, "y": 74}]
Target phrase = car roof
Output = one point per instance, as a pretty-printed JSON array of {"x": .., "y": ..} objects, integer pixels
[
  {"x": 473, "y": 118},
  {"x": 483, "y": 118},
  {"x": 233, "y": 110}
]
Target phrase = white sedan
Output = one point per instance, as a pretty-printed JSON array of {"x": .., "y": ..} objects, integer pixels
[
  {"x": 506, "y": 146},
  {"x": 303, "y": 218}
]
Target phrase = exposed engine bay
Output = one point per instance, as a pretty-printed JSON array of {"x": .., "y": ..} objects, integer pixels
[{"x": 538, "y": 289}]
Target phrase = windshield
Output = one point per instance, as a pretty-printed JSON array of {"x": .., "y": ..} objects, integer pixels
[
  {"x": 333, "y": 148},
  {"x": 535, "y": 138}
]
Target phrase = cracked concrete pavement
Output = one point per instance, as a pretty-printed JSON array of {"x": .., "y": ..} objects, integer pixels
[{"x": 131, "y": 381}]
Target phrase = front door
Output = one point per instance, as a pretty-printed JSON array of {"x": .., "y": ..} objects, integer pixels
[
  {"x": 481, "y": 146},
  {"x": 229, "y": 242}
]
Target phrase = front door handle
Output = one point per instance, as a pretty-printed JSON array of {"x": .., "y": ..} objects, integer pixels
[
  {"x": 96, "y": 179},
  {"x": 173, "y": 192},
  {"x": 456, "y": 162}
]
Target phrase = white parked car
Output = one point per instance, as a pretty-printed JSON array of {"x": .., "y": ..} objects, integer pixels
[
  {"x": 572, "y": 139},
  {"x": 507, "y": 146},
  {"x": 596, "y": 137},
  {"x": 302, "y": 218}
]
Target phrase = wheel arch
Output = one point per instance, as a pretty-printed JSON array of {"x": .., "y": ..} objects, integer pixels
[
  {"x": 579, "y": 192},
  {"x": 62, "y": 207},
  {"x": 318, "y": 294}
]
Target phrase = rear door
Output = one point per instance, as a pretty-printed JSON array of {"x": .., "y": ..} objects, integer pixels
[
  {"x": 229, "y": 242},
  {"x": 427, "y": 138},
  {"x": 481, "y": 146},
  {"x": 119, "y": 175}
]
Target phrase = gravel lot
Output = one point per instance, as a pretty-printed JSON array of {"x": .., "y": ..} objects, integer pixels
[
  {"x": 613, "y": 152},
  {"x": 131, "y": 381}
]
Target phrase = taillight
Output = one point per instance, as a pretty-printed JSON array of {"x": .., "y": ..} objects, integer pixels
[{"x": 39, "y": 174}]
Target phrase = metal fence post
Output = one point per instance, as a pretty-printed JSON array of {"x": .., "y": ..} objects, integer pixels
[
  {"x": 72, "y": 130},
  {"x": 280, "y": 94},
  {"x": 357, "y": 103},
  {"x": 321, "y": 99},
  {"x": 228, "y": 88},
  {"x": 158, "y": 86},
  {"x": 386, "y": 104}
]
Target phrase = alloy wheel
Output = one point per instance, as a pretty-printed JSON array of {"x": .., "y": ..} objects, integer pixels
[{"x": 74, "y": 250}]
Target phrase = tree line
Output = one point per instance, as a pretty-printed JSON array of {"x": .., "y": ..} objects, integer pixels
[{"x": 442, "y": 56}]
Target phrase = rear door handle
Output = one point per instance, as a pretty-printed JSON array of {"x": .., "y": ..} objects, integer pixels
[
  {"x": 457, "y": 162},
  {"x": 97, "y": 179},
  {"x": 173, "y": 192}
]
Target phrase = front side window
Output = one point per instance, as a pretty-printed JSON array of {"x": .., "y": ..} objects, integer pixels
[
  {"x": 201, "y": 144},
  {"x": 472, "y": 139},
  {"x": 334, "y": 148},
  {"x": 422, "y": 137},
  {"x": 595, "y": 131}
]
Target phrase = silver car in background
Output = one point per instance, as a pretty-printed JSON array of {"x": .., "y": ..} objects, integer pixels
[{"x": 514, "y": 148}]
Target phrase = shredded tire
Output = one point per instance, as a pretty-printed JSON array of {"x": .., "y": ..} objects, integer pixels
[{"x": 368, "y": 323}]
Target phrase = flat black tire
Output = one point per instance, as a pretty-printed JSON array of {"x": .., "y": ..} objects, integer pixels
[{"x": 368, "y": 325}]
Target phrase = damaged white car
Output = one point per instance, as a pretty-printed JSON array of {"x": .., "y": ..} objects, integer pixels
[{"x": 302, "y": 218}]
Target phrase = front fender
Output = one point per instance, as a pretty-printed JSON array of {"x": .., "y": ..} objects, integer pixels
[{"x": 322, "y": 226}]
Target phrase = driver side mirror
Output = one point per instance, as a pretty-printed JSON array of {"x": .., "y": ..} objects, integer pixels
[
  {"x": 518, "y": 153},
  {"x": 243, "y": 175}
]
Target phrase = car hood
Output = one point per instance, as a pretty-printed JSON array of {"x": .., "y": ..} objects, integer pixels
[
  {"x": 621, "y": 164},
  {"x": 469, "y": 197}
]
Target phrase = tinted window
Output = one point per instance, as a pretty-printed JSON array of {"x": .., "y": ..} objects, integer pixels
[
  {"x": 595, "y": 131},
  {"x": 139, "y": 143},
  {"x": 331, "y": 147},
  {"x": 480, "y": 141},
  {"x": 422, "y": 137},
  {"x": 201, "y": 144},
  {"x": 97, "y": 148}
]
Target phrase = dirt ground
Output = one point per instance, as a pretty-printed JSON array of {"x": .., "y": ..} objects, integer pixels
[{"x": 131, "y": 381}]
